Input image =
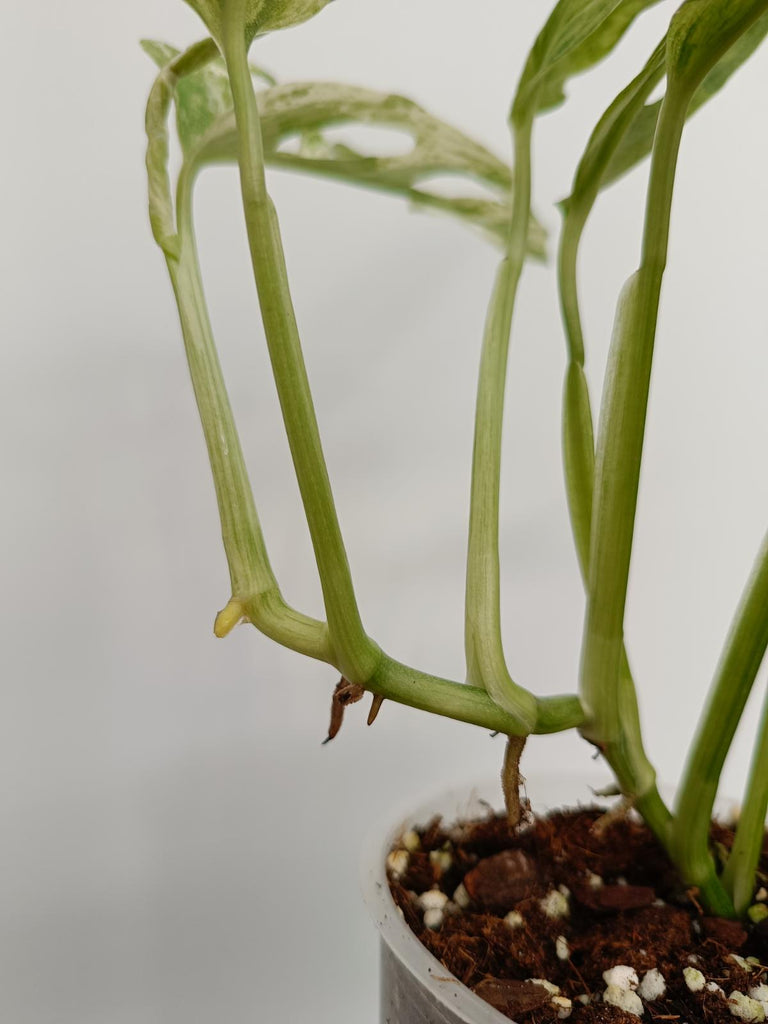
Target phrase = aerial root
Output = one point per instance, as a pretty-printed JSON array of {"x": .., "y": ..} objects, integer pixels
[
  {"x": 511, "y": 780},
  {"x": 344, "y": 693},
  {"x": 229, "y": 617}
]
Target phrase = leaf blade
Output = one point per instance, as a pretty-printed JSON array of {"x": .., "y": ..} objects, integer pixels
[
  {"x": 638, "y": 140},
  {"x": 260, "y": 16},
  {"x": 302, "y": 107},
  {"x": 576, "y": 36}
]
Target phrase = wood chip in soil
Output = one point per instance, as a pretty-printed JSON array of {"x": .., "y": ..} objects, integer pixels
[{"x": 578, "y": 900}]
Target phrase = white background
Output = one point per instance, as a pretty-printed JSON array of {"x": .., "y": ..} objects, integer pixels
[{"x": 165, "y": 798}]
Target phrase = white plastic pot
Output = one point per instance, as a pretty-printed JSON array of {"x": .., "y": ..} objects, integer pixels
[{"x": 415, "y": 988}]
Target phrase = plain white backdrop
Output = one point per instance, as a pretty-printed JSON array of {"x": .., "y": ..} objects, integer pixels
[{"x": 177, "y": 847}]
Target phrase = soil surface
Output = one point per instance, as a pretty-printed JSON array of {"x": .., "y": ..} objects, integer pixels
[{"x": 566, "y": 900}]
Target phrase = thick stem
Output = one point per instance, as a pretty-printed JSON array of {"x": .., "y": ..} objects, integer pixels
[
  {"x": 735, "y": 675},
  {"x": 739, "y": 874},
  {"x": 486, "y": 664},
  {"x": 356, "y": 654},
  {"x": 606, "y": 689},
  {"x": 465, "y": 703}
]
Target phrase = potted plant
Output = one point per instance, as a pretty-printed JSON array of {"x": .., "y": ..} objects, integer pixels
[{"x": 227, "y": 110}]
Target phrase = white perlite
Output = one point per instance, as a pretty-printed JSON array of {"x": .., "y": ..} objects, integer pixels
[
  {"x": 555, "y": 904},
  {"x": 461, "y": 896},
  {"x": 694, "y": 979},
  {"x": 743, "y": 964},
  {"x": 433, "y": 918},
  {"x": 745, "y": 1008},
  {"x": 621, "y": 976},
  {"x": 553, "y": 990},
  {"x": 712, "y": 986},
  {"x": 760, "y": 993},
  {"x": 625, "y": 999},
  {"x": 411, "y": 840},
  {"x": 594, "y": 881},
  {"x": 562, "y": 948},
  {"x": 397, "y": 862},
  {"x": 441, "y": 859},
  {"x": 653, "y": 986},
  {"x": 514, "y": 919},
  {"x": 432, "y": 899},
  {"x": 563, "y": 1005},
  {"x": 761, "y": 895}
]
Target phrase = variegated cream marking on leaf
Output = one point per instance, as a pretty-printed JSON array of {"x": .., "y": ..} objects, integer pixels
[{"x": 261, "y": 16}]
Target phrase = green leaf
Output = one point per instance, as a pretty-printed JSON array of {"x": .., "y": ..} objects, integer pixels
[
  {"x": 490, "y": 217},
  {"x": 701, "y": 31},
  {"x": 437, "y": 147},
  {"x": 578, "y": 34},
  {"x": 637, "y": 141},
  {"x": 162, "y": 93},
  {"x": 609, "y": 133},
  {"x": 200, "y": 97},
  {"x": 260, "y": 16},
  {"x": 304, "y": 110}
]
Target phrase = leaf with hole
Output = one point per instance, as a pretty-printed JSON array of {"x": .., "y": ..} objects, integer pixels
[{"x": 303, "y": 110}]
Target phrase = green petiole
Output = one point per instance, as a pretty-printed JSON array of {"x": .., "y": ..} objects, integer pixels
[{"x": 355, "y": 653}]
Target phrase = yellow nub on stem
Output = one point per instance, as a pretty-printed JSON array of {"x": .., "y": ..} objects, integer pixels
[{"x": 228, "y": 618}]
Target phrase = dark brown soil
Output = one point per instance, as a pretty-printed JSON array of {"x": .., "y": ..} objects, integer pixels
[{"x": 621, "y": 902}]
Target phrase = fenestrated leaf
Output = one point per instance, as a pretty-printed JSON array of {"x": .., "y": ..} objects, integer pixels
[
  {"x": 437, "y": 147},
  {"x": 200, "y": 97},
  {"x": 577, "y": 34},
  {"x": 261, "y": 16},
  {"x": 490, "y": 217},
  {"x": 304, "y": 110}
]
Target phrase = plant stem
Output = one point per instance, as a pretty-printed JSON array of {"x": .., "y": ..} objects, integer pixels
[
  {"x": 486, "y": 664},
  {"x": 739, "y": 874},
  {"x": 255, "y": 593},
  {"x": 606, "y": 690},
  {"x": 254, "y": 588},
  {"x": 465, "y": 703},
  {"x": 355, "y": 653},
  {"x": 734, "y": 677}
]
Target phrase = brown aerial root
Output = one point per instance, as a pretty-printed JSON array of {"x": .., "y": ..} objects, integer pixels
[
  {"x": 376, "y": 703},
  {"x": 511, "y": 780},
  {"x": 344, "y": 693}
]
